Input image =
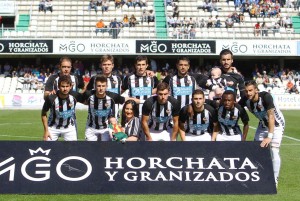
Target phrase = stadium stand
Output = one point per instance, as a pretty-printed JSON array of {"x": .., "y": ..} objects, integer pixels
[{"x": 71, "y": 19}]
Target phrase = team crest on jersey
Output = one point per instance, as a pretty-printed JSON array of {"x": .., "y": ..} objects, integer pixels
[
  {"x": 259, "y": 106},
  {"x": 234, "y": 117},
  {"x": 70, "y": 105},
  {"x": 114, "y": 82},
  {"x": 188, "y": 82},
  {"x": 168, "y": 111},
  {"x": 204, "y": 119},
  {"x": 107, "y": 105}
]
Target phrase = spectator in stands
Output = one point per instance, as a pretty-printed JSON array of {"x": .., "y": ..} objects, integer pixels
[
  {"x": 206, "y": 6},
  {"x": 118, "y": 4},
  {"x": 100, "y": 27},
  {"x": 93, "y": 5},
  {"x": 42, "y": 5},
  {"x": 168, "y": 2},
  {"x": 201, "y": 23},
  {"x": 132, "y": 21},
  {"x": 151, "y": 16},
  {"x": 105, "y": 6},
  {"x": 288, "y": 22},
  {"x": 192, "y": 32},
  {"x": 145, "y": 15},
  {"x": 218, "y": 23},
  {"x": 176, "y": 11},
  {"x": 125, "y": 21},
  {"x": 114, "y": 25},
  {"x": 137, "y": 3},
  {"x": 209, "y": 23},
  {"x": 229, "y": 22},
  {"x": 192, "y": 22},
  {"x": 242, "y": 17},
  {"x": 129, "y": 3},
  {"x": 48, "y": 6},
  {"x": 257, "y": 29},
  {"x": 7, "y": 68},
  {"x": 171, "y": 21},
  {"x": 99, "y": 2},
  {"x": 253, "y": 11},
  {"x": 264, "y": 29},
  {"x": 290, "y": 88}
]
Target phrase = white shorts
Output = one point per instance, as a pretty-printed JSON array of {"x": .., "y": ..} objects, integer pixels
[
  {"x": 161, "y": 135},
  {"x": 92, "y": 134},
  {"x": 224, "y": 137},
  {"x": 69, "y": 134},
  {"x": 191, "y": 137},
  {"x": 262, "y": 133}
]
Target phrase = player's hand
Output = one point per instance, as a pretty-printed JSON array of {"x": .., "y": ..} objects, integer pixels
[
  {"x": 149, "y": 138},
  {"x": 52, "y": 92},
  {"x": 265, "y": 142},
  {"x": 47, "y": 136}
]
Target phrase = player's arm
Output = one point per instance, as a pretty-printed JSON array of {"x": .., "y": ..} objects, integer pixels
[
  {"x": 145, "y": 127},
  {"x": 245, "y": 120},
  {"x": 45, "y": 120},
  {"x": 245, "y": 131},
  {"x": 155, "y": 83},
  {"x": 175, "y": 128},
  {"x": 49, "y": 90},
  {"x": 125, "y": 85},
  {"x": 215, "y": 131},
  {"x": 181, "y": 130},
  {"x": 271, "y": 125}
]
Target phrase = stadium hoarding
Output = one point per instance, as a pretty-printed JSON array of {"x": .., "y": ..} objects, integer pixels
[
  {"x": 259, "y": 47},
  {"x": 26, "y": 46},
  {"x": 94, "y": 46},
  {"x": 135, "y": 168},
  {"x": 169, "y": 47}
]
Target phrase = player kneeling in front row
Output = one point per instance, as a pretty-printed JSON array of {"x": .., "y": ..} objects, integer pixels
[
  {"x": 157, "y": 112},
  {"x": 197, "y": 121},
  {"x": 229, "y": 114},
  {"x": 62, "y": 119}
]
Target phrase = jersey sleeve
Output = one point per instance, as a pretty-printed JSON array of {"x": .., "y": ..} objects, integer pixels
[
  {"x": 183, "y": 114},
  {"x": 80, "y": 82},
  {"x": 146, "y": 109},
  {"x": 167, "y": 79},
  {"x": 213, "y": 113},
  {"x": 90, "y": 85},
  {"x": 125, "y": 84},
  {"x": 155, "y": 82},
  {"x": 47, "y": 103},
  {"x": 201, "y": 80},
  {"x": 242, "y": 101},
  {"x": 268, "y": 101},
  {"x": 176, "y": 107},
  {"x": 118, "y": 99},
  {"x": 243, "y": 114},
  {"x": 49, "y": 84}
]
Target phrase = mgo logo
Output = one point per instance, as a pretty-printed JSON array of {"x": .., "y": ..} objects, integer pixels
[
  {"x": 42, "y": 165},
  {"x": 236, "y": 48}
]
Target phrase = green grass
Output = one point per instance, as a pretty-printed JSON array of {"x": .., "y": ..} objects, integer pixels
[{"x": 26, "y": 125}]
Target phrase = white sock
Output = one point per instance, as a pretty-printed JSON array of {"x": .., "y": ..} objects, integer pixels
[{"x": 276, "y": 162}]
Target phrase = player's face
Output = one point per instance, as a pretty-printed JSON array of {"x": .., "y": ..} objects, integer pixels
[
  {"x": 107, "y": 67},
  {"x": 101, "y": 88},
  {"x": 183, "y": 67},
  {"x": 198, "y": 100},
  {"x": 129, "y": 111},
  {"x": 141, "y": 67},
  {"x": 228, "y": 101},
  {"x": 65, "y": 67},
  {"x": 251, "y": 92},
  {"x": 226, "y": 61},
  {"x": 65, "y": 88},
  {"x": 162, "y": 96}
]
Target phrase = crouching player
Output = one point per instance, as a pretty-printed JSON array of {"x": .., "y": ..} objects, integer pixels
[{"x": 271, "y": 121}]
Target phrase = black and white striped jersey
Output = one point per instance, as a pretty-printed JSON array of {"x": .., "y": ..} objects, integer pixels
[
  {"x": 62, "y": 111},
  {"x": 228, "y": 119},
  {"x": 113, "y": 84},
  {"x": 212, "y": 84},
  {"x": 133, "y": 127},
  {"x": 101, "y": 109},
  {"x": 52, "y": 83},
  {"x": 160, "y": 115},
  {"x": 260, "y": 109},
  {"x": 140, "y": 87},
  {"x": 201, "y": 122},
  {"x": 181, "y": 88}
]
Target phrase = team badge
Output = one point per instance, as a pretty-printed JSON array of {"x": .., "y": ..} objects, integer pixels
[
  {"x": 114, "y": 82},
  {"x": 204, "y": 119},
  {"x": 168, "y": 112},
  {"x": 106, "y": 105},
  {"x": 234, "y": 117},
  {"x": 70, "y": 105},
  {"x": 188, "y": 82},
  {"x": 259, "y": 106}
]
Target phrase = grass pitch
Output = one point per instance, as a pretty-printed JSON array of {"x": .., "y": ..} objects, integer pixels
[{"x": 26, "y": 125}]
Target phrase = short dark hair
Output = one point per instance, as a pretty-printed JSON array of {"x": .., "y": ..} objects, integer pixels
[
  {"x": 251, "y": 82},
  {"x": 62, "y": 59},
  {"x": 105, "y": 58},
  {"x": 229, "y": 92},
  {"x": 184, "y": 58},
  {"x": 198, "y": 91},
  {"x": 224, "y": 52},
  {"x": 162, "y": 86},
  {"x": 101, "y": 78},
  {"x": 65, "y": 78},
  {"x": 135, "y": 109},
  {"x": 141, "y": 58}
]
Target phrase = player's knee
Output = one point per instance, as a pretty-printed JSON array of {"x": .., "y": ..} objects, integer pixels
[{"x": 275, "y": 153}]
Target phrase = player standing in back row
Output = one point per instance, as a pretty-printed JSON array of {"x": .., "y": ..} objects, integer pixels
[
  {"x": 271, "y": 121},
  {"x": 182, "y": 85}
]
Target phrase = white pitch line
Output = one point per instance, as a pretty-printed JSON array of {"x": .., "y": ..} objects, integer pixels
[
  {"x": 288, "y": 137},
  {"x": 1, "y": 124},
  {"x": 18, "y": 136}
]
